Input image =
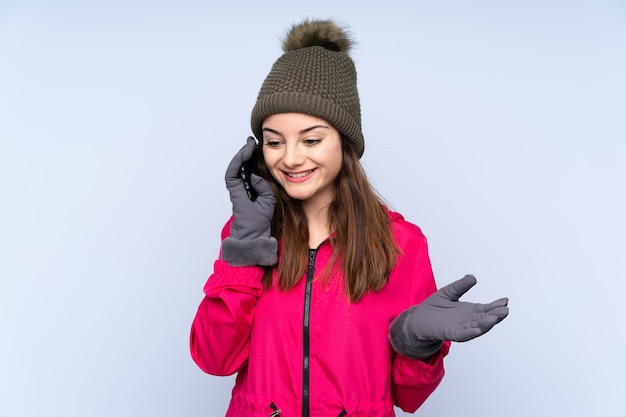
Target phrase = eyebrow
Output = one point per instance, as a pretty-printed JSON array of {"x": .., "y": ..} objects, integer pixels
[{"x": 308, "y": 129}]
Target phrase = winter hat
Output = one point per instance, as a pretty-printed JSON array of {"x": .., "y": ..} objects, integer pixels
[{"x": 315, "y": 76}]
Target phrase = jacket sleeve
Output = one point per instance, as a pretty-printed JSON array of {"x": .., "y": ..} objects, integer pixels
[
  {"x": 413, "y": 380},
  {"x": 220, "y": 333}
]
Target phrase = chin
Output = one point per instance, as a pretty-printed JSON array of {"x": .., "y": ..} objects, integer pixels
[
  {"x": 299, "y": 196},
  {"x": 298, "y": 193}
]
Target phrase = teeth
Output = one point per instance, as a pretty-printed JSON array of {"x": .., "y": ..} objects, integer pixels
[{"x": 300, "y": 174}]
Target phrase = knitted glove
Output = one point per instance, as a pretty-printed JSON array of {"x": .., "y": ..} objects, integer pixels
[
  {"x": 419, "y": 331},
  {"x": 250, "y": 241}
]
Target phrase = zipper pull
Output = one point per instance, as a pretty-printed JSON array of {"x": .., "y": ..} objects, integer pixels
[
  {"x": 312, "y": 253},
  {"x": 276, "y": 412}
]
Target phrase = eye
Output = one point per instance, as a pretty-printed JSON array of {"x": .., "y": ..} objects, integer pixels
[
  {"x": 312, "y": 142},
  {"x": 272, "y": 143}
]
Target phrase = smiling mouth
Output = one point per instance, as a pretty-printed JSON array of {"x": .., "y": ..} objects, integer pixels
[{"x": 298, "y": 174}]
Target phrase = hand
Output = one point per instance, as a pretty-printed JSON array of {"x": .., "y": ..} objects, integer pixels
[
  {"x": 253, "y": 219},
  {"x": 443, "y": 317}
]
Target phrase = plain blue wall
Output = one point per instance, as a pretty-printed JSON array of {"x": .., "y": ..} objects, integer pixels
[{"x": 498, "y": 127}]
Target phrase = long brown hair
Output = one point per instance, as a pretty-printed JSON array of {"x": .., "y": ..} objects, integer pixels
[{"x": 362, "y": 238}]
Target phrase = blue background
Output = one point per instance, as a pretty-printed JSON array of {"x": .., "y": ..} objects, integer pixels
[{"x": 498, "y": 127}]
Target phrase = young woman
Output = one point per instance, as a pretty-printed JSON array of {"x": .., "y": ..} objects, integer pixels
[{"x": 323, "y": 301}]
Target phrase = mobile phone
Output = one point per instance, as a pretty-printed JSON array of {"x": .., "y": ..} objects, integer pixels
[{"x": 251, "y": 166}]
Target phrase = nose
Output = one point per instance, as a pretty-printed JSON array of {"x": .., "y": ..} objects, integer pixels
[{"x": 293, "y": 156}]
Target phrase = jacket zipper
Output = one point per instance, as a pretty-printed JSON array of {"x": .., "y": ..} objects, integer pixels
[{"x": 306, "y": 335}]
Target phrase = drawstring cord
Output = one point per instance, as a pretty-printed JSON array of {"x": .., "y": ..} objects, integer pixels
[{"x": 276, "y": 412}]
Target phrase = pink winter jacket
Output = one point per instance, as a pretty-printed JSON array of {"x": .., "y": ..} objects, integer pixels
[{"x": 309, "y": 351}]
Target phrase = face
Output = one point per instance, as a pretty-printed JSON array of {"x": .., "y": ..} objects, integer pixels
[{"x": 304, "y": 155}]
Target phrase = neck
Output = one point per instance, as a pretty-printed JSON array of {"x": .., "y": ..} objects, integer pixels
[{"x": 317, "y": 221}]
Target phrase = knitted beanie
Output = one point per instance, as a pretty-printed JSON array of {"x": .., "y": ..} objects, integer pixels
[{"x": 315, "y": 76}]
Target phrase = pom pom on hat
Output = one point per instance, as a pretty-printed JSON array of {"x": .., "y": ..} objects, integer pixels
[
  {"x": 315, "y": 76},
  {"x": 324, "y": 33}
]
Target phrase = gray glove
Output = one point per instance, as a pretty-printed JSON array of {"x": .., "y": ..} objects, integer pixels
[
  {"x": 419, "y": 331},
  {"x": 250, "y": 241}
]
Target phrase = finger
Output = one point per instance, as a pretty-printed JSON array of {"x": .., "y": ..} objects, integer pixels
[
  {"x": 248, "y": 148},
  {"x": 232, "y": 171},
  {"x": 500, "y": 313},
  {"x": 266, "y": 196},
  {"x": 261, "y": 186},
  {"x": 502, "y": 302},
  {"x": 486, "y": 308},
  {"x": 469, "y": 332},
  {"x": 486, "y": 322},
  {"x": 455, "y": 290},
  {"x": 463, "y": 335}
]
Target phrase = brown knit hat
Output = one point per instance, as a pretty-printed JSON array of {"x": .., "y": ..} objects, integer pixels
[{"x": 315, "y": 76}]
